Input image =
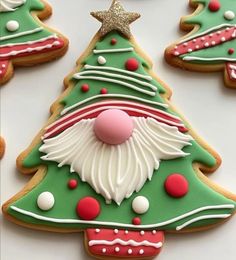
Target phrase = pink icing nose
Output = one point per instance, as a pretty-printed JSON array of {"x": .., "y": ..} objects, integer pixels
[{"x": 113, "y": 126}]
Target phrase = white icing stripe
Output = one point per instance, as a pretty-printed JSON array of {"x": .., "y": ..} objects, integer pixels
[
  {"x": 150, "y": 143},
  {"x": 115, "y": 76},
  {"x": 160, "y": 224},
  {"x": 190, "y": 58},
  {"x": 29, "y": 42},
  {"x": 124, "y": 243},
  {"x": 10, "y": 5},
  {"x": 134, "y": 74},
  {"x": 21, "y": 34},
  {"x": 113, "y": 50},
  {"x": 64, "y": 111},
  {"x": 202, "y": 218},
  {"x": 207, "y": 31},
  {"x": 119, "y": 82},
  {"x": 40, "y": 48},
  {"x": 112, "y": 107}
]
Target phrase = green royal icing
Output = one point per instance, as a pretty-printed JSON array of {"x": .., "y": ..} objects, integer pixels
[{"x": 162, "y": 206}]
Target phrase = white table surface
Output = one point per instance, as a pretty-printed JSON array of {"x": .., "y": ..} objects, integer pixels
[{"x": 205, "y": 102}]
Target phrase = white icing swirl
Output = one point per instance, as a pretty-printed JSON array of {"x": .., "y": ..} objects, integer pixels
[
  {"x": 116, "y": 172},
  {"x": 10, "y": 5}
]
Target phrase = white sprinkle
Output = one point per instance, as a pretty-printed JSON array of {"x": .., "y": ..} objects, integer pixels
[
  {"x": 176, "y": 53},
  {"x": 213, "y": 43},
  {"x": 104, "y": 250},
  {"x": 190, "y": 50},
  {"x": 203, "y": 39},
  {"x": 141, "y": 251},
  {"x": 154, "y": 232},
  {"x": 116, "y": 231},
  {"x": 142, "y": 232},
  {"x": 185, "y": 44},
  {"x": 211, "y": 35},
  {"x": 176, "y": 47},
  {"x": 117, "y": 249},
  {"x": 126, "y": 231},
  {"x": 223, "y": 39},
  {"x": 97, "y": 230},
  {"x": 219, "y": 32},
  {"x": 197, "y": 46},
  {"x": 207, "y": 44},
  {"x": 130, "y": 251},
  {"x": 101, "y": 60},
  {"x": 194, "y": 40},
  {"x": 227, "y": 29},
  {"x": 56, "y": 43},
  {"x": 0, "y": 71},
  {"x": 3, "y": 65}
]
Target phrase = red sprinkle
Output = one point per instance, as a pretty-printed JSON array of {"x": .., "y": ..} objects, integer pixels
[
  {"x": 231, "y": 51},
  {"x": 72, "y": 184},
  {"x": 113, "y": 41},
  {"x": 85, "y": 88},
  {"x": 103, "y": 91},
  {"x": 214, "y": 6},
  {"x": 136, "y": 221}
]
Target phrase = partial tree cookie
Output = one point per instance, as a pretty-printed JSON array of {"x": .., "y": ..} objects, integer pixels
[
  {"x": 24, "y": 39},
  {"x": 211, "y": 43},
  {"x": 116, "y": 160}
]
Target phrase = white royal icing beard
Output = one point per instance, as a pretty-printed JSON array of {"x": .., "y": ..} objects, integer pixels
[
  {"x": 10, "y": 5},
  {"x": 116, "y": 171}
]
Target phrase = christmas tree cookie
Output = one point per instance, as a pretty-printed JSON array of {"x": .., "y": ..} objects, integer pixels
[
  {"x": 116, "y": 160},
  {"x": 24, "y": 39},
  {"x": 211, "y": 44}
]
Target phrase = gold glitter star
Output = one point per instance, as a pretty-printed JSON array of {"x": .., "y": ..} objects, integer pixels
[{"x": 116, "y": 18}]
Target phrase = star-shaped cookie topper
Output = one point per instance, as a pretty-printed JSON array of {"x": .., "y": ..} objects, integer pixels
[{"x": 116, "y": 18}]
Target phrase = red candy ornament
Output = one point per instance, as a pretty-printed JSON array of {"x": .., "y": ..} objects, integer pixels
[
  {"x": 214, "y": 6},
  {"x": 72, "y": 184},
  {"x": 176, "y": 185},
  {"x": 132, "y": 64},
  {"x": 88, "y": 208}
]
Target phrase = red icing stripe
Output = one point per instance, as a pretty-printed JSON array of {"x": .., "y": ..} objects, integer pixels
[
  {"x": 8, "y": 51},
  {"x": 205, "y": 41},
  {"x": 121, "y": 243},
  {"x": 3, "y": 67},
  {"x": 69, "y": 120}
]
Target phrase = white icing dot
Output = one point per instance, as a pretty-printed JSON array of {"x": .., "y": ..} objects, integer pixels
[
  {"x": 142, "y": 233},
  {"x": 229, "y": 15},
  {"x": 154, "y": 232},
  {"x": 141, "y": 251},
  {"x": 140, "y": 205},
  {"x": 116, "y": 231},
  {"x": 104, "y": 250},
  {"x": 97, "y": 230},
  {"x": 126, "y": 231},
  {"x": 223, "y": 39},
  {"x": 45, "y": 200},
  {"x": 117, "y": 249},
  {"x": 130, "y": 251},
  {"x": 12, "y": 26},
  {"x": 101, "y": 60}
]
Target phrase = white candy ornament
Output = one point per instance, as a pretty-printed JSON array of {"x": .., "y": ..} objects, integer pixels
[
  {"x": 101, "y": 60},
  {"x": 12, "y": 26},
  {"x": 140, "y": 205},
  {"x": 45, "y": 201},
  {"x": 229, "y": 15}
]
